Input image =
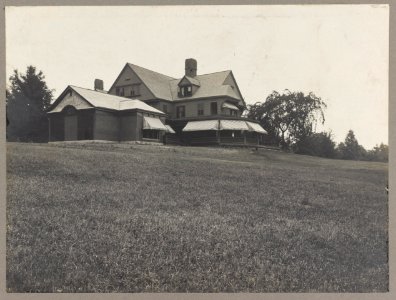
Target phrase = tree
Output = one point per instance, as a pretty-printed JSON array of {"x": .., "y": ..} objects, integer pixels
[
  {"x": 379, "y": 153},
  {"x": 288, "y": 117},
  {"x": 350, "y": 148},
  {"x": 317, "y": 144},
  {"x": 28, "y": 98}
]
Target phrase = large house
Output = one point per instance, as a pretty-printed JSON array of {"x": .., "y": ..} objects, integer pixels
[{"x": 143, "y": 105}]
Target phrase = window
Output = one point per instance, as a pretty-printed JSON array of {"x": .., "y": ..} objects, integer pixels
[
  {"x": 200, "y": 109},
  {"x": 180, "y": 111},
  {"x": 213, "y": 108},
  {"x": 119, "y": 91},
  {"x": 185, "y": 91},
  {"x": 135, "y": 90},
  {"x": 165, "y": 108},
  {"x": 150, "y": 134},
  {"x": 233, "y": 112},
  {"x": 70, "y": 93}
]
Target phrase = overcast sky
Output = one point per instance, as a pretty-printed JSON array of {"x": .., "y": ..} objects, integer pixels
[{"x": 338, "y": 52}]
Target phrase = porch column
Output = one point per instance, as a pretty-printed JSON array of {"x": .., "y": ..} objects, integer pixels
[{"x": 218, "y": 132}]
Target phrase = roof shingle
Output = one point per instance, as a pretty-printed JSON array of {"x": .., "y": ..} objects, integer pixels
[
  {"x": 157, "y": 83},
  {"x": 165, "y": 87},
  {"x": 103, "y": 100}
]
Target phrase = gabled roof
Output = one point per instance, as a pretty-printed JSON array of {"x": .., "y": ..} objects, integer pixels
[
  {"x": 165, "y": 87},
  {"x": 156, "y": 82},
  {"x": 211, "y": 85},
  {"x": 191, "y": 80},
  {"x": 108, "y": 101}
]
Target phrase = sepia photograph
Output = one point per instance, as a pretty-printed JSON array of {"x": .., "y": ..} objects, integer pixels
[{"x": 197, "y": 149}]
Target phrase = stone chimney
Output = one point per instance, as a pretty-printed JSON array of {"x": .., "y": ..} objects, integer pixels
[
  {"x": 98, "y": 85},
  {"x": 191, "y": 67}
]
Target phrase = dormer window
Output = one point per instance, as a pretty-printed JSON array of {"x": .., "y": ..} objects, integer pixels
[{"x": 185, "y": 91}]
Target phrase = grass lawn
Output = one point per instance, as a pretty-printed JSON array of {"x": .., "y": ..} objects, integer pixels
[{"x": 139, "y": 218}]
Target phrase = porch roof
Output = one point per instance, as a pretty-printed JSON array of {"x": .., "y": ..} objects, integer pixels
[
  {"x": 153, "y": 124},
  {"x": 202, "y": 125},
  {"x": 233, "y": 125},
  {"x": 223, "y": 125},
  {"x": 256, "y": 127}
]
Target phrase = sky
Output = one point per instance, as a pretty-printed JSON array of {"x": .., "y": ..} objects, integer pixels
[{"x": 338, "y": 52}]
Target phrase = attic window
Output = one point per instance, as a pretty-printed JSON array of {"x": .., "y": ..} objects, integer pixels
[
  {"x": 70, "y": 93},
  {"x": 185, "y": 91},
  {"x": 119, "y": 91},
  {"x": 135, "y": 90}
]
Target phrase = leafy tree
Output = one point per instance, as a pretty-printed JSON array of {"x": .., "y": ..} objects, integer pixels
[
  {"x": 288, "y": 117},
  {"x": 350, "y": 148},
  {"x": 317, "y": 144},
  {"x": 379, "y": 153},
  {"x": 28, "y": 98}
]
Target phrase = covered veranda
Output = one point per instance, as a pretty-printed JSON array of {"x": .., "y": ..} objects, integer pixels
[{"x": 223, "y": 132}]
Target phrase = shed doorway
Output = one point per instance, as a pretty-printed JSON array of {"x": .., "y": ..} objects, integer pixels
[{"x": 71, "y": 125}]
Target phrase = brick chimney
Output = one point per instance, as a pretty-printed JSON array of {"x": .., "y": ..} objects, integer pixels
[
  {"x": 98, "y": 85},
  {"x": 191, "y": 67}
]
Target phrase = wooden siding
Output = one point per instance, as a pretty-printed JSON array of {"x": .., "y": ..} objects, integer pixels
[
  {"x": 129, "y": 127},
  {"x": 191, "y": 110},
  {"x": 106, "y": 126},
  {"x": 85, "y": 124},
  {"x": 227, "y": 112},
  {"x": 71, "y": 127},
  {"x": 78, "y": 126},
  {"x": 56, "y": 127},
  {"x": 160, "y": 106},
  {"x": 230, "y": 81}
]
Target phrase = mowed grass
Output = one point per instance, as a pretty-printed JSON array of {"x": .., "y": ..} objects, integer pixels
[{"x": 139, "y": 218}]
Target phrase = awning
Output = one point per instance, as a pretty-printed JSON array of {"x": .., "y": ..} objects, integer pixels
[
  {"x": 169, "y": 129},
  {"x": 256, "y": 127},
  {"x": 230, "y": 106},
  {"x": 153, "y": 124},
  {"x": 233, "y": 125},
  {"x": 201, "y": 125}
]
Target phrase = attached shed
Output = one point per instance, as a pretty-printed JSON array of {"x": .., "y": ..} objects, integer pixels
[{"x": 83, "y": 114}]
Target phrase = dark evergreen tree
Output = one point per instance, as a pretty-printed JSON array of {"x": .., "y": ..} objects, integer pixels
[
  {"x": 28, "y": 98},
  {"x": 350, "y": 148}
]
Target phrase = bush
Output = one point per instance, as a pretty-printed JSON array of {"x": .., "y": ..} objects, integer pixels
[{"x": 317, "y": 144}]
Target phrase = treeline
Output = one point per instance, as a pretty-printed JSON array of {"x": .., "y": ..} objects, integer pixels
[
  {"x": 322, "y": 144},
  {"x": 291, "y": 119}
]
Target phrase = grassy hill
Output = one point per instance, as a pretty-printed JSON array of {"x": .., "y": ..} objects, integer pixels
[{"x": 139, "y": 218}]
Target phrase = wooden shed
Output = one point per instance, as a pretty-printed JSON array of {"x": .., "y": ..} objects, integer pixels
[{"x": 83, "y": 114}]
